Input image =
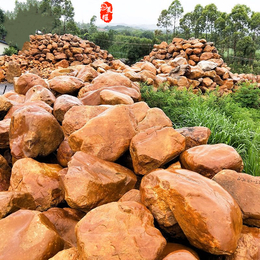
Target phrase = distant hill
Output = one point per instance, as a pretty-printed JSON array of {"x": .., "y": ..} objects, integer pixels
[{"x": 122, "y": 27}]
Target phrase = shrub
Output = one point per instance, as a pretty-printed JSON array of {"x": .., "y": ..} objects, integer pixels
[{"x": 10, "y": 51}]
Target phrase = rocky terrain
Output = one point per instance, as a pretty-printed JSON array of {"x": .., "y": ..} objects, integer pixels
[{"x": 89, "y": 171}]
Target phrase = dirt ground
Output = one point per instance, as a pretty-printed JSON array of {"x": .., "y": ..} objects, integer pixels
[{"x": 5, "y": 87}]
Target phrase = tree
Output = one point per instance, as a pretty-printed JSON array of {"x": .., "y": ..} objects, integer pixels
[
  {"x": 246, "y": 48},
  {"x": 175, "y": 10},
  {"x": 197, "y": 18},
  {"x": 164, "y": 21},
  {"x": 255, "y": 24},
  {"x": 3, "y": 31},
  {"x": 187, "y": 25}
]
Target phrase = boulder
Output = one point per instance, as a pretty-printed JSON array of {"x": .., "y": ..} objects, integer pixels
[
  {"x": 87, "y": 73},
  {"x": 154, "y": 117},
  {"x": 207, "y": 65},
  {"x": 27, "y": 233},
  {"x": 14, "y": 70},
  {"x": 4, "y": 133},
  {"x": 41, "y": 180},
  {"x": 110, "y": 97},
  {"x": 100, "y": 236},
  {"x": 132, "y": 195},
  {"x": 154, "y": 147},
  {"x": 76, "y": 117},
  {"x": 14, "y": 97},
  {"x": 5, "y": 105},
  {"x": 27, "y": 81},
  {"x": 64, "y": 153},
  {"x": 67, "y": 254},
  {"x": 207, "y": 214},
  {"x": 90, "y": 181},
  {"x": 11, "y": 201},
  {"x": 139, "y": 110},
  {"x": 39, "y": 92},
  {"x": 65, "y": 220},
  {"x": 65, "y": 84},
  {"x": 63, "y": 72},
  {"x": 248, "y": 245},
  {"x": 62, "y": 104},
  {"x": 208, "y": 159},
  {"x": 195, "y": 136},
  {"x": 106, "y": 136},
  {"x": 5, "y": 174},
  {"x": 244, "y": 188},
  {"x": 34, "y": 132}
]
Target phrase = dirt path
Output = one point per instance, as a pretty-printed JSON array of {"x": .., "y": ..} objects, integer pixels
[{"x": 5, "y": 87}]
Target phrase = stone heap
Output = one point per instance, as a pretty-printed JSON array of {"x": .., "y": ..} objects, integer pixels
[
  {"x": 86, "y": 168},
  {"x": 46, "y": 52}
]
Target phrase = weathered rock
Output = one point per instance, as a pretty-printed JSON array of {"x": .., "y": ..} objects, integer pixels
[
  {"x": 195, "y": 136},
  {"x": 14, "y": 70},
  {"x": 87, "y": 73},
  {"x": 155, "y": 117},
  {"x": 14, "y": 97},
  {"x": 207, "y": 65},
  {"x": 111, "y": 97},
  {"x": 65, "y": 84},
  {"x": 139, "y": 110},
  {"x": 245, "y": 189},
  {"x": 64, "y": 153},
  {"x": 174, "y": 251},
  {"x": 27, "y": 81},
  {"x": 208, "y": 159},
  {"x": 65, "y": 221},
  {"x": 63, "y": 72},
  {"x": 208, "y": 215},
  {"x": 106, "y": 136},
  {"x": 101, "y": 237},
  {"x": 67, "y": 254},
  {"x": 41, "y": 180},
  {"x": 39, "y": 92},
  {"x": 2, "y": 75},
  {"x": 132, "y": 195},
  {"x": 248, "y": 247},
  {"x": 13, "y": 201},
  {"x": 78, "y": 116},
  {"x": 5, "y": 174},
  {"x": 206, "y": 56},
  {"x": 91, "y": 181},
  {"x": 152, "y": 148},
  {"x": 34, "y": 132},
  {"x": 62, "y": 104},
  {"x": 4, "y": 133},
  {"x": 27, "y": 233},
  {"x": 5, "y": 105}
]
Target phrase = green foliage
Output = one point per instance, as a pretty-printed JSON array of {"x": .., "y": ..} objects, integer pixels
[
  {"x": 228, "y": 121},
  {"x": 10, "y": 51}
]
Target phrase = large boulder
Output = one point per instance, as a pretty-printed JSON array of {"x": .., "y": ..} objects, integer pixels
[
  {"x": 208, "y": 159},
  {"x": 67, "y": 254},
  {"x": 34, "y": 132},
  {"x": 5, "y": 174},
  {"x": 123, "y": 230},
  {"x": 87, "y": 73},
  {"x": 14, "y": 70},
  {"x": 5, "y": 105},
  {"x": 64, "y": 153},
  {"x": 207, "y": 214},
  {"x": 106, "y": 136},
  {"x": 90, "y": 181},
  {"x": 4, "y": 133},
  {"x": 65, "y": 84},
  {"x": 111, "y": 97},
  {"x": 244, "y": 188},
  {"x": 27, "y": 81},
  {"x": 41, "y": 180},
  {"x": 155, "y": 147},
  {"x": 28, "y": 234}
]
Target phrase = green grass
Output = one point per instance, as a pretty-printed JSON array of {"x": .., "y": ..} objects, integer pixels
[{"x": 228, "y": 120}]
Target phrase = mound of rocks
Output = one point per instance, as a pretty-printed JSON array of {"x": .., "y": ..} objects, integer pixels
[{"x": 87, "y": 168}]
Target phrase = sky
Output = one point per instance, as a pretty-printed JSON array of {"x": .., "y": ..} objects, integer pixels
[{"x": 137, "y": 12}]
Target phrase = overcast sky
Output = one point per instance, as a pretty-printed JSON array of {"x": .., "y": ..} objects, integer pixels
[{"x": 134, "y": 12}]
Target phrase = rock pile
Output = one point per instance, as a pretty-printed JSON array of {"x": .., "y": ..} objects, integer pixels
[{"x": 86, "y": 168}]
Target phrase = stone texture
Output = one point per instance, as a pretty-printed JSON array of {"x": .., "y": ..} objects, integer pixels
[
  {"x": 78, "y": 116},
  {"x": 132, "y": 195},
  {"x": 14, "y": 70},
  {"x": 4, "y": 133},
  {"x": 62, "y": 104},
  {"x": 100, "y": 236},
  {"x": 65, "y": 84},
  {"x": 27, "y": 81},
  {"x": 195, "y": 136},
  {"x": 26, "y": 234},
  {"x": 34, "y": 132},
  {"x": 11, "y": 201},
  {"x": 208, "y": 160},
  {"x": 5, "y": 105},
  {"x": 207, "y": 214},
  {"x": 154, "y": 147},
  {"x": 87, "y": 73},
  {"x": 155, "y": 117},
  {"x": 139, "y": 110},
  {"x": 39, "y": 92},
  {"x": 245, "y": 189},
  {"x": 5, "y": 174},
  {"x": 67, "y": 254},
  {"x": 91, "y": 181},
  {"x": 65, "y": 221},
  {"x": 63, "y": 72},
  {"x": 106, "y": 136},
  {"x": 41, "y": 180},
  {"x": 64, "y": 153},
  {"x": 110, "y": 97},
  {"x": 248, "y": 245}
]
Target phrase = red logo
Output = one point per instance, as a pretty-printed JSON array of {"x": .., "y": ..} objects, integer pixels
[{"x": 106, "y": 12}]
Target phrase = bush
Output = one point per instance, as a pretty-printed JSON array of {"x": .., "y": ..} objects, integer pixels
[{"x": 10, "y": 51}]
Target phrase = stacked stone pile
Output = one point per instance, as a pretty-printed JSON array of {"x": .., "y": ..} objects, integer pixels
[
  {"x": 86, "y": 168},
  {"x": 46, "y": 52}
]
